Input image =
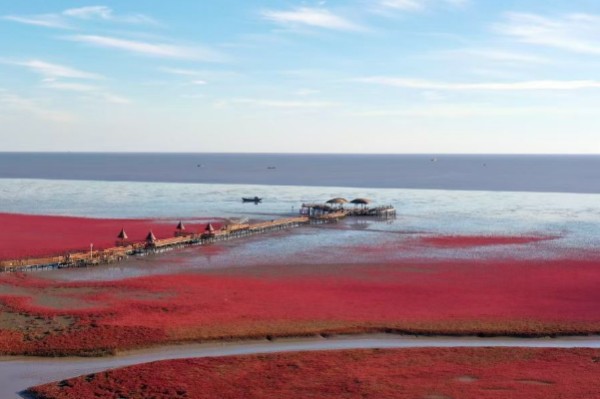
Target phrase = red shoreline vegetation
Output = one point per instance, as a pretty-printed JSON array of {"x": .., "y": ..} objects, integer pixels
[
  {"x": 26, "y": 236},
  {"x": 487, "y": 297},
  {"x": 492, "y": 373},
  {"x": 463, "y": 241}
]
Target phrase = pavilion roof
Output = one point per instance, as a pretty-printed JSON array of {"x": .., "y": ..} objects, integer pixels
[{"x": 122, "y": 235}]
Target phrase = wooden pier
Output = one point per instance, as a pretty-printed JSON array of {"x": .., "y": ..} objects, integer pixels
[
  {"x": 151, "y": 246},
  {"x": 321, "y": 211},
  {"x": 309, "y": 214}
]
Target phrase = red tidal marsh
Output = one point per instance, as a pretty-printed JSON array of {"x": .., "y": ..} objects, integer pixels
[
  {"x": 26, "y": 236},
  {"x": 501, "y": 297},
  {"x": 491, "y": 373}
]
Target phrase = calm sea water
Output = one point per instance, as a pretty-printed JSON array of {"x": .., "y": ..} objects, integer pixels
[
  {"x": 155, "y": 186},
  {"x": 578, "y": 174}
]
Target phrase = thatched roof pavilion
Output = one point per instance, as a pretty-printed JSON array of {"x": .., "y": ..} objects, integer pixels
[
  {"x": 180, "y": 226},
  {"x": 361, "y": 201},
  {"x": 150, "y": 238},
  {"x": 338, "y": 201},
  {"x": 209, "y": 228},
  {"x": 122, "y": 235}
]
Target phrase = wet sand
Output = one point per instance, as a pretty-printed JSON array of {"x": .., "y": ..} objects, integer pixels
[{"x": 19, "y": 373}]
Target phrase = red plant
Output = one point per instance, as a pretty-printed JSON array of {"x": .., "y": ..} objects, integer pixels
[
  {"x": 24, "y": 236},
  {"x": 491, "y": 373},
  {"x": 479, "y": 241},
  {"x": 502, "y": 297}
]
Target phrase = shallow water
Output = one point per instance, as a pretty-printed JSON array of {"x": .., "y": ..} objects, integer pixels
[{"x": 573, "y": 218}]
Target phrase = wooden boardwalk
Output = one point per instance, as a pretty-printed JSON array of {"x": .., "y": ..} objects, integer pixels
[
  {"x": 310, "y": 214},
  {"x": 324, "y": 211},
  {"x": 119, "y": 253}
]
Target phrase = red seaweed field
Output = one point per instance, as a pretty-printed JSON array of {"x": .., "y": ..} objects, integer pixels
[
  {"x": 466, "y": 373},
  {"x": 23, "y": 236},
  {"x": 474, "y": 293},
  {"x": 502, "y": 297},
  {"x": 479, "y": 241}
]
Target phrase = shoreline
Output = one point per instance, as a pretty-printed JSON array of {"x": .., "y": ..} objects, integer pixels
[
  {"x": 349, "y": 334},
  {"x": 19, "y": 373},
  {"x": 397, "y": 339}
]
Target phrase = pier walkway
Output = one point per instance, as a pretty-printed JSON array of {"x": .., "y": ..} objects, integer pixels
[
  {"x": 151, "y": 245},
  {"x": 328, "y": 211},
  {"x": 309, "y": 214}
]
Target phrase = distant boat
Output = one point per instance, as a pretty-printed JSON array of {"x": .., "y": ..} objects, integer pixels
[
  {"x": 271, "y": 167},
  {"x": 256, "y": 200}
]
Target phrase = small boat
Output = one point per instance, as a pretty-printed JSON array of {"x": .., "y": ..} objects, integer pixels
[
  {"x": 256, "y": 200},
  {"x": 271, "y": 167}
]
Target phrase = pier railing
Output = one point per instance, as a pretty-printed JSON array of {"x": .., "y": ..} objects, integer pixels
[
  {"x": 310, "y": 214},
  {"x": 321, "y": 211},
  {"x": 115, "y": 254}
]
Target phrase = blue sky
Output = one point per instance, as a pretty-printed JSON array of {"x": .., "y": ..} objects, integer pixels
[{"x": 358, "y": 76}]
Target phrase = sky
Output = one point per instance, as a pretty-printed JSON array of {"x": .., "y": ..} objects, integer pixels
[{"x": 353, "y": 76}]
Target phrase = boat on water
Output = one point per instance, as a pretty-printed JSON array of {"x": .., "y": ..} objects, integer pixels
[{"x": 256, "y": 200}]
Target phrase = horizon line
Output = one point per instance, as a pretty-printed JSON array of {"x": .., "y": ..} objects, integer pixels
[{"x": 299, "y": 153}]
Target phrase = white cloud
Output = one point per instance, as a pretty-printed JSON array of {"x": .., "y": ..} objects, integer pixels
[
  {"x": 106, "y": 14},
  {"x": 200, "y": 77},
  {"x": 314, "y": 17},
  {"x": 113, "y": 98},
  {"x": 150, "y": 49},
  {"x": 89, "y": 90},
  {"x": 69, "y": 86},
  {"x": 418, "y": 5},
  {"x": 181, "y": 72},
  {"x": 53, "y": 73},
  {"x": 89, "y": 12},
  {"x": 64, "y": 19},
  {"x": 409, "y": 5},
  {"x": 497, "y": 55},
  {"x": 533, "y": 85},
  {"x": 473, "y": 110},
  {"x": 47, "y": 21},
  {"x": 285, "y": 104},
  {"x": 33, "y": 107},
  {"x": 50, "y": 70},
  {"x": 578, "y": 33}
]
